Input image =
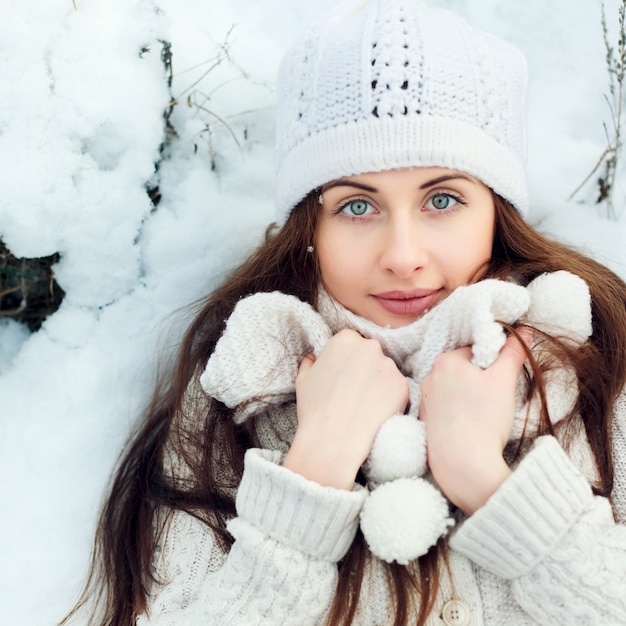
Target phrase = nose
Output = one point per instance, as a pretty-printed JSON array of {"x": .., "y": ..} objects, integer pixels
[{"x": 405, "y": 246}]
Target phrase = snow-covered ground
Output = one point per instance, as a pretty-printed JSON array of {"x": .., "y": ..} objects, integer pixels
[{"x": 82, "y": 95}]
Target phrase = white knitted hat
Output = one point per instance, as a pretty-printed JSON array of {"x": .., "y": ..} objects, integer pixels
[{"x": 386, "y": 84}]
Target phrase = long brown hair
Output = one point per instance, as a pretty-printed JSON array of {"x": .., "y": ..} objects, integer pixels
[{"x": 121, "y": 575}]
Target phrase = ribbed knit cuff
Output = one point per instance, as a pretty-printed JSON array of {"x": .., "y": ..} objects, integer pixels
[
  {"x": 528, "y": 515},
  {"x": 319, "y": 521}
]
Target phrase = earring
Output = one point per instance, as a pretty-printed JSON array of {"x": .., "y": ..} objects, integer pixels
[
  {"x": 320, "y": 199},
  {"x": 310, "y": 248}
]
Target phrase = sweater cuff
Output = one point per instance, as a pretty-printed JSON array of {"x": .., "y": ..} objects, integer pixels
[
  {"x": 528, "y": 515},
  {"x": 319, "y": 521}
]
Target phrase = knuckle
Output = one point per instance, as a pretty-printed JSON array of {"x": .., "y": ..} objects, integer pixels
[
  {"x": 387, "y": 364},
  {"x": 340, "y": 337},
  {"x": 348, "y": 339},
  {"x": 347, "y": 333},
  {"x": 447, "y": 365},
  {"x": 441, "y": 362},
  {"x": 372, "y": 346}
]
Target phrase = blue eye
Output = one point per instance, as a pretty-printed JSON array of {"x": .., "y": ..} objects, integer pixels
[
  {"x": 441, "y": 201},
  {"x": 356, "y": 208}
]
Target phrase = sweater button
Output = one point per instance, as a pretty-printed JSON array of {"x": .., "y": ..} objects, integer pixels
[{"x": 456, "y": 613}]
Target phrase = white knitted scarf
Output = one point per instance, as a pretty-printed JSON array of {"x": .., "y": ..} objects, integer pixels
[{"x": 256, "y": 361}]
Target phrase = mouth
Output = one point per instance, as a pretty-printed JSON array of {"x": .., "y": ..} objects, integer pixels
[{"x": 414, "y": 302}]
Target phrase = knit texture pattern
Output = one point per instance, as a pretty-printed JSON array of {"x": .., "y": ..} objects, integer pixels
[
  {"x": 531, "y": 551},
  {"x": 391, "y": 84},
  {"x": 542, "y": 551},
  {"x": 256, "y": 360},
  {"x": 255, "y": 364}
]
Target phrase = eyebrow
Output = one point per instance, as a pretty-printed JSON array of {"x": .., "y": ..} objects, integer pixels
[
  {"x": 348, "y": 183},
  {"x": 443, "y": 179},
  {"x": 341, "y": 182}
]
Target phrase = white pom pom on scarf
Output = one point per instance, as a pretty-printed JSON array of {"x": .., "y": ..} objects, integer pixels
[{"x": 403, "y": 518}]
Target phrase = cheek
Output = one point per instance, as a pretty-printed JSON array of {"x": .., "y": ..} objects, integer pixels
[
  {"x": 342, "y": 261},
  {"x": 332, "y": 258},
  {"x": 466, "y": 255}
]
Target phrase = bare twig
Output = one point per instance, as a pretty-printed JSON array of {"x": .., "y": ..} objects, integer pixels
[
  {"x": 28, "y": 291},
  {"x": 223, "y": 54},
  {"x": 10, "y": 290},
  {"x": 596, "y": 167},
  {"x": 616, "y": 67},
  {"x": 221, "y": 120},
  {"x": 15, "y": 312}
]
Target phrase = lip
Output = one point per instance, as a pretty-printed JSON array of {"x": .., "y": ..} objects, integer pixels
[{"x": 412, "y": 302}]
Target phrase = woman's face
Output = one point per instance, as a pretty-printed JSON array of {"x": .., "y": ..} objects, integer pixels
[{"x": 393, "y": 244}]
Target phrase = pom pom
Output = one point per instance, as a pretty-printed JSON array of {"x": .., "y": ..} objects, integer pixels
[
  {"x": 402, "y": 519},
  {"x": 560, "y": 301},
  {"x": 399, "y": 450}
]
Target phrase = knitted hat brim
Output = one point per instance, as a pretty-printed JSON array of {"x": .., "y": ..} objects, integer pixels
[{"x": 365, "y": 146}]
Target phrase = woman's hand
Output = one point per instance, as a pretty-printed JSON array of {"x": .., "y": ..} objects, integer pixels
[
  {"x": 469, "y": 415},
  {"x": 342, "y": 398}
]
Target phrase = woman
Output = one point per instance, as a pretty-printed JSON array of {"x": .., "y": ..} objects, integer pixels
[{"x": 400, "y": 180}]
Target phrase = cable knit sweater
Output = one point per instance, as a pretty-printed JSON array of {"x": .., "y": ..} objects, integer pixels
[{"x": 542, "y": 550}]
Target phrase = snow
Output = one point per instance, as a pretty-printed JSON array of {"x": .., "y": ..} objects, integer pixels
[{"x": 81, "y": 125}]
